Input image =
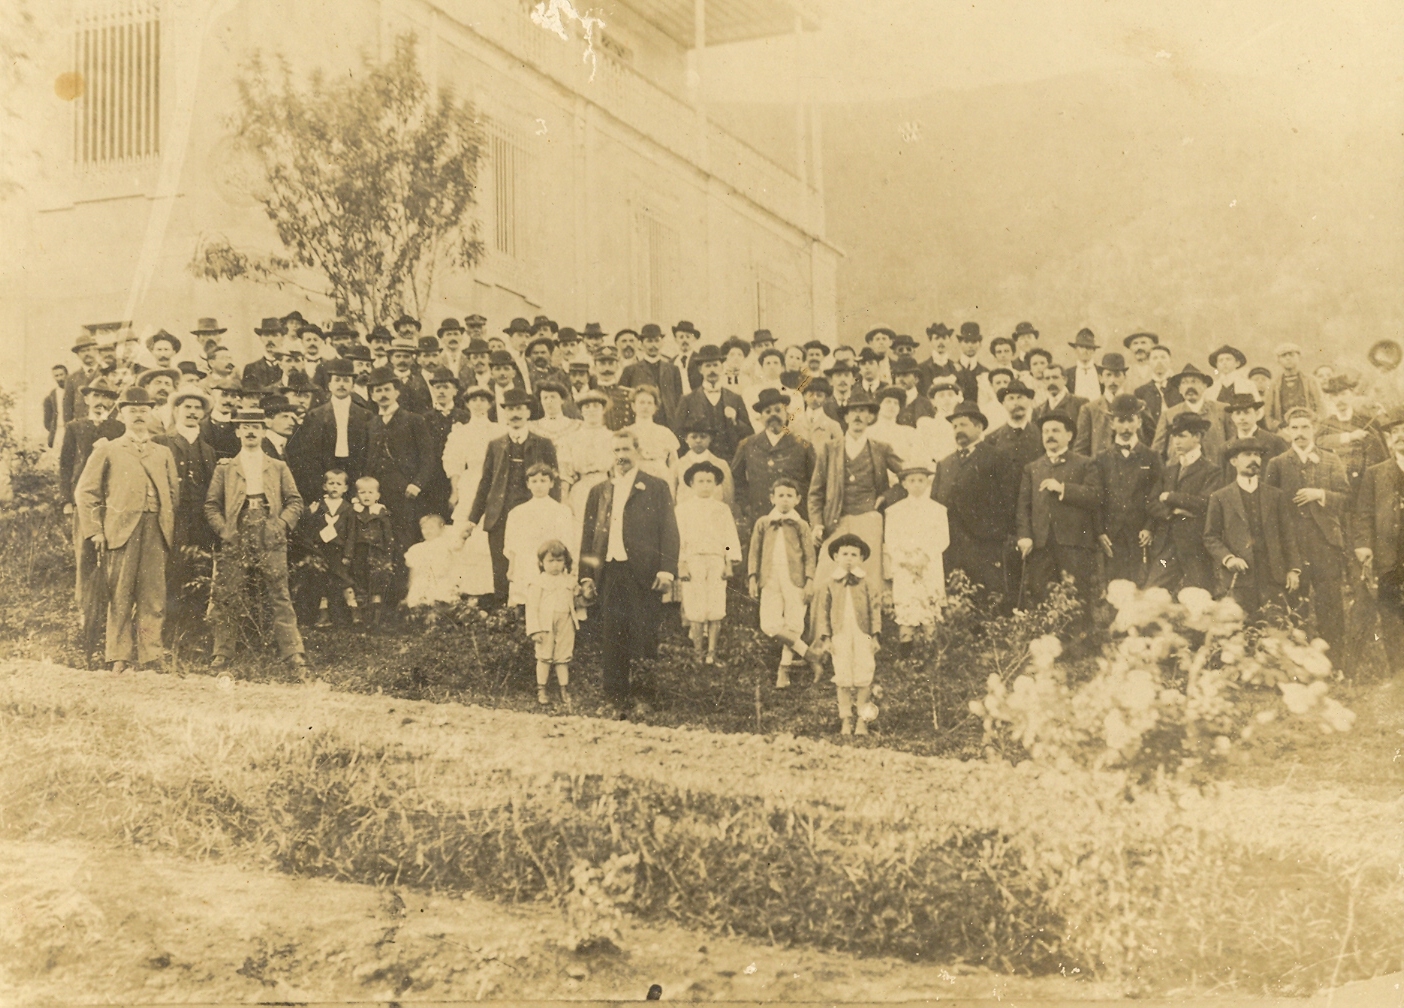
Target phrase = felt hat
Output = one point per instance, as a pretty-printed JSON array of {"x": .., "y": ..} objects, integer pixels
[
  {"x": 207, "y": 327},
  {"x": 518, "y": 325},
  {"x": 310, "y": 327},
  {"x": 162, "y": 334},
  {"x": 450, "y": 325},
  {"x": 1140, "y": 335},
  {"x": 595, "y": 329},
  {"x": 869, "y": 356},
  {"x": 151, "y": 374},
  {"x": 406, "y": 321},
  {"x": 1060, "y": 417},
  {"x": 769, "y": 397},
  {"x": 889, "y": 333},
  {"x": 479, "y": 392},
  {"x": 229, "y": 383},
  {"x": 1112, "y": 362},
  {"x": 1188, "y": 371},
  {"x": 967, "y": 408},
  {"x": 379, "y": 334},
  {"x": 687, "y": 327},
  {"x": 516, "y": 397},
  {"x": 1385, "y": 354},
  {"x": 189, "y": 390},
  {"x": 293, "y": 318},
  {"x": 859, "y": 401},
  {"x": 357, "y": 351},
  {"x": 703, "y": 467},
  {"x": 650, "y": 331},
  {"x": 272, "y": 405},
  {"x": 849, "y": 539},
  {"x": 1126, "y": 405},
  {"x": 1337, "y": 384},
  {"x": 761, "y": 336},
  {"x": 819, "y": 385},
  {"x": 135, "y": 395},
  {"x": 100, "y": 386},
  {"x": 819, "y": 345},
  {"x": 942, "y": 330},
  {"x": 249, "y": 416},
  {"x": 341, "y": 328},
  {"x": 1238, "y": 446},
  {"x": 443, "y": 376},
  {"x": 1024, "y": 329},
  {"x": 339, "y": 366},
  {"x": 625, "y": 332},
  {"x": 501, "y": 358},
  {"x": 1226, "y": 349},
  {"x": 382, "y": 376},
  {"x": 542, "y": 320},
  {"x": 477, "y": 345},
  {"x": 190, "y": 369},
  {"x": 567, "y": 335},
  {"x": 903, "y": 365},
  {"x": 427, "y": 344},
  {"x": 1084, "y": 339},
  {"x": 592, "y": 396},
  {"x": 87, "y": 341},
  {"x": 1187, "y": 422},
  {"x": 1014, "y": 388},
  {"x": 903, "y": 340},
  {"x": 1241, "y": 402},
  {"x": 709, "y": 352},
  {"x": 970, "y": 332},
  {"x": 271, "y": 327},
  {"x": 537, "y": 341},
  {"x": 840, "y": 367}
]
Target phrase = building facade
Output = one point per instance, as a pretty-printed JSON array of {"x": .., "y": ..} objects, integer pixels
[{"x": 607, "y": 192}]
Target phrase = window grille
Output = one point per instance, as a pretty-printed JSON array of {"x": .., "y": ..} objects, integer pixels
[
  {"x": 117, "y": 62},
  {"x": 506, "y": 163}
]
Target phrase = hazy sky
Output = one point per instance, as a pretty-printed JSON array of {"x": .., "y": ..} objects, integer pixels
[{"x": 1336, "y": 61}]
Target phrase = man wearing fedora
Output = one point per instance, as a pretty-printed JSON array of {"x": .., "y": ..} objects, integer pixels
[
  {"x": 400, "y": 455},
  {"x": 979, "y": 509},
  {"x": 1249, "y": 531},
  {"x": 86, "y": 350},
  {"x": 1130, "y": 475},
  {"x": 252, "y": 506},
  {"x": 1192, "y": 385},
  {"x": 504, "y": 481},
  {"x": 1094, "y": 421},
  {"x": 1084, "y": 379},
  {"x": 769, "y": 454},
  {"x": 1059, "y": 515},
  {"x": 267, "y": 371},
  {"x": 1182, "y": 499},
  {"x": 727, "y": 412},
  {"x": 1139, "y": 345},
  {"x": 163, "y": 347},
  {"x": 1290, "y": 388},
  {"x": 334, "y": 435},
  {"x": 1377, "y": 530},
  {"x": 518, "y": 332},
  {"x": 195, "y": 462},
  {"x": 126, "y": 506},
  {"x": 1245, "y": 415},
  {"x": 1230, "y": 374},
  {"x": 160, "y": 383},
  {"x": 651, "y": 368},
  {"x": 206, "y": 331}
]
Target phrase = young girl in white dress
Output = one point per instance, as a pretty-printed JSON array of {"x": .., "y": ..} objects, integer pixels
[
  {"x": 915, "y": 536},
  {"x": 658, "y": 445}
]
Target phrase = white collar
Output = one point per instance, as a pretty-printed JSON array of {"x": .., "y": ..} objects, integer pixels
[
  {"x": 191, "y": 434},
  {"x": 1193, "y": 408},
  {"x": 839, "y": 573},
  {"x": 1345, "y": 416},
  {"x": 774, "y": 439},
  {"x": 1130, "y": 446},
  {"x": 1307, "y": 456},
  {"x": 625, "y": 478},
  {"x": 386, "y": 414},
  {"x": 341, "y": 404},
  {"x": 328, "y": 505},
  {"x": 855, "y": 443},
  {"x": 249, "y": 454},
  {"x": 518, "y": 436},
  {"x": 1249, "y": 483},
  {"x": 1057, "y": 459},
  {"x": 279, "y": 441}
]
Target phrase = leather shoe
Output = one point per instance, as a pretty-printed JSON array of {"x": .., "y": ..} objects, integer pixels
[
  {"x": 119, "y": 666},
  {"x": 297, "y": 661}
]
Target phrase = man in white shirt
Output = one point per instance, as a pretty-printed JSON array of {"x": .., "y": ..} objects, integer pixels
[{"x": 1083, "y": 379}]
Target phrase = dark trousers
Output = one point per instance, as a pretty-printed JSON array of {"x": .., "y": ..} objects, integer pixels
[
  {"x": 1046, "y": 565},
  {"x": 497, "y": 537},
  {"x": 1253, "y": 589},
  {"x": 1390, "y": 605},
  {"x": 1323, "y": 575},
  {"x": 978, "y": 558},
  {"x": 629, "y": 617},
  {"x": 187, "y": 576},
  {"x": 1125, "y": 562},
  {"x": 1182, "y": 561}
]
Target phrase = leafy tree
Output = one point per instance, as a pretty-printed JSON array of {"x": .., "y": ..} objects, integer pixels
[{"x": 369, "y": 180}]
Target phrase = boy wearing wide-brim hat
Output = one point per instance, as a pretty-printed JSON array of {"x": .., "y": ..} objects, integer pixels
[
  {"x": 847, "y": 617},
  {"x": 126, "y": 499}
]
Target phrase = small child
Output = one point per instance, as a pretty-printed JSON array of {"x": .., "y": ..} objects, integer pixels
[
  {"x": 915, "y": 535},
  {"x": 432, "y": 573},
  {"x": 847, "y": 617},
  {"x": 322, "y": 535},
  {"x": 530, "y": 524},
  {"x": 780, "y": 568},
  {"x": 554, "y": 607},
  {"x": 370, "y": 551},
  {"x": 708, "y": 551}
]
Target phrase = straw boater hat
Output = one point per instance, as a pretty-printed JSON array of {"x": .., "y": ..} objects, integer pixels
[{"x": 189, "y": 390}]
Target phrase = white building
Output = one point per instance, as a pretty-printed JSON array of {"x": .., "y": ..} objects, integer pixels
[{"x": 612, "y": 198}]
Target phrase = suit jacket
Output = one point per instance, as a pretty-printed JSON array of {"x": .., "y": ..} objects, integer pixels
[
  {"x": 273, "y": 451},
  {"x": 228, "y": 491},
  {"x": 489, "y": 506},
  {"x": 414, "y": 393},
  {"x": 977, "y": 505},
  {"x": 399, "y": 454},
  {"x": 307, "y": 536},
  {"x": 316, "y": 444},
  {"x": 262, "y": 373},
  {"x": 919, "y": 407},
  {"x": 53, "y": 409},
  {"x": 1094, "y": 429},
  {"x": 1014, "y": 449},
  {"x": 650, "y": 529},
  {"x": 727, "y": 434},
  {"x": 1155, "y": 402},
  {"x": 1376, "y": 524},
  {"x": 1073, "y": 520},
  {"x": 969, "y": 379},
  {"x": 758, "y": 465},
  {"x": 74, "y": 407},
  {"x": 1287, "y": 473},
  {"x": 1129, "y": 487},
  {"x": 928, "y": 371},
  {"x": 826, "y": 485},
  {"x": 1226, "y": 532},
  {"x": 221, "y": 435},
  {"x": 817, "y": 430},
  {"x": 1212, "y": 444},
  {"x": 111, "y": 493},
  {"x": 828, "y": 606},
  {"x": 662, "y": 375},
  {"x": 1272, "y": 400},
  {"x": 78, "y": 439},
  {"x": 1071, "y": 406},
  {"x": 195, "y": 464}
]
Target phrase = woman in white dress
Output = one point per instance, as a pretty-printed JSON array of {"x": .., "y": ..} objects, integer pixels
[
  {"x": 658, "y": 445},
  {"x": 899, "y": 437},
  {"x": 553, "y": 424},
  {"x": 464, "y": 452},
  {"x": 935, "y": 438},
  {"x": 585, "y": 457}
]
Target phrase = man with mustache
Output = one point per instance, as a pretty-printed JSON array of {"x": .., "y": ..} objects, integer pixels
[
  {"x": 968, "y": 484},
  {"x": 1060, "y": 516},
  {"x": 771, "y": 453},
  {"x": 1250, "y": 534},
  {"x": 1376, "y": 527}
]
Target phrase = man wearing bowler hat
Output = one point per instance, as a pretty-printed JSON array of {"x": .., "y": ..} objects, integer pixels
[
  {"x": 126, "y": 506},
  {"x": 1060, "y": 516},
  {"x": 650, "y": 368},
  {"x": 1094, "y": 424},
  {"x": 979, "y": 510},
  {"x": 726, "y": 410},
  {"x": 1130, "y": 475},
  {"x": 342, "y": 336},
  {"x": 1025, "y": 338},
  {"x": 400, "y": 455},
  {"x": 1249, "y": 532},
  {"x": 518, "y": 332},
  {"x": 968, "y": 369},
  {"x": 939, "y": 363},
  {"x": 267, "y": 370},
  {"x": 195, "y": 462},
  {"x": 769, "y": 454},
  {"x": 1245, "y": 416},
  {"x": 504, "y": 481},
  {"x": 252, "y": 506},
  {"x": 686, "y": 336},
  {"x": 1180, "y": 559},
  {"x": 1084, "y": 379},
  {"x": 451, "y": 337}
]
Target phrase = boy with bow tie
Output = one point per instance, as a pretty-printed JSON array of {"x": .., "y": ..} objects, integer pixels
[
  {"x": 847, "y": 618},
  {"x": 780, "y": 573}
]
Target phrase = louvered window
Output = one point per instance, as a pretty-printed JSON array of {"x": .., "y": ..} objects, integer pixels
[
  {"x": 505, "y": 165},
  {"x": 117, "y": 68}
]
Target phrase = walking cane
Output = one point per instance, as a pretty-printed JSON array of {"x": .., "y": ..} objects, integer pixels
[
  {"x": 1023, "y": 578},
  {"x": 1145, "y": 565}
]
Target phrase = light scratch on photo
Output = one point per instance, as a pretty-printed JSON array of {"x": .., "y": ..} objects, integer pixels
[{"x": 553, "y": 16}]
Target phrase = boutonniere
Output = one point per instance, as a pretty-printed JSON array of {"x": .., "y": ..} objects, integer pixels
[
  {"x": 640, "y": 486},
  {"x": 730, "y": 412}
]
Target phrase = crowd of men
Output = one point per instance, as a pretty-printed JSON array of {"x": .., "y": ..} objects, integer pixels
[{"x": 1270, "y": 483}]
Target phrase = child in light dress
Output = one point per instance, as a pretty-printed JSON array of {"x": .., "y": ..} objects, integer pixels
[
  {"x": 554, "y": 607},
  {"x": 915, "y": 536},
  {"x": 847, "y": 618},
  {"x": 658, "y": 445},
  {"x": 530, "y": 524},
  {"x": 708, "y": 551},
  {"x": 780, "y": 568},
  {"x": 432, "y": 563}
]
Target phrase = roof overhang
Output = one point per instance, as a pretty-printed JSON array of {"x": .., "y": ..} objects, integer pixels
[{"x": 726, "y": 20}]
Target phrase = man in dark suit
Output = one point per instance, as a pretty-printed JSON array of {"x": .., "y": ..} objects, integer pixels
[
  {"x": 724, "y": 408},
  {"x": 86, "y": 349},
  {"x": 1060, "y": 514},
  {"x": 99, "y": 420},
  {"x": 1015, "y": 444},
  {"x": 1130, "y": 475},
  {"x": 1245, "y": 418},
  {"x": 686, "y": 335},
  {"x": 195, "y": 462},
  {"x": 1094, "y": 427},
  {"x": 504, "y": 481},
  {"x": 334, "y": 435},
  {"x": 1157, "y": 393},
  {"x": 400, "y": 455},
  {"x": 968, "y": 484},
  {"x": 53, "y": 403},
  {"x": 906, "y": 374},
  {"x": 1192, "y": 384},
  {"x": 1376, "y": 528},
  {"x": 443, "y": 387},
  {"x": 651, "y": 368},
  {"x": 1182, "y": 500},
  {"x": 267, "y": 371},
  {"x": 939, "y": 364},
  {"x": 766, "y": 456},
  {"x": 967, "y": 368},
  {"x": 414, "y": 390},
  {"x": 1315, "y": 484},
  {"x": 630, "y": 550},
  {"x": 1059, "y": 400},
  {"x": 619, "y": 412},
  {"x": 1250, "y": 533}
]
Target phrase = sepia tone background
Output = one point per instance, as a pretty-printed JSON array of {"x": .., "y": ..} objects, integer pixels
[{"x": 817, "y": 168}]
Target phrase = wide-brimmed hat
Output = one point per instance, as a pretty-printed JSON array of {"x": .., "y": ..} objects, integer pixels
[
  {"x": 1084, "y": 339},
  {"x": 708, "y": 353},
  {"x": 341, "y": 328},
  {"x": 1112, "y": 362},
  {"x": 501, "y": 358},
  {"x": 1014, "y": 388},
  {"x": 135, "y": 395},
  {"x": 272, "y": 405},
  {"x": 189, "y": 390},
  {"x": 1226, "y": 349},
  {"x": 687, "y": 327},
  {"x": 162, "y": 334},
  {"x": 380, "y": 334},
  {"x": 903, "y": 365},
  {"x": 1247, "y": 444},
  {"x": 100, "y": 386},
  {"x": 1188, "y": 371},
  {"x": 151, "y": 374},
  {"x": 941, "y": 329},
  {"x": 769, "y": 397},
  {"x": 841, "y": 367},
  {"x": 762, "y": 336},
  {"x": 566, "y": 335},
  {"x": 869, "y": 356},
  {"x": 271, "y": 327},
  {"x": 518, "y": 325},
  {"x": 87, "y": 341},
  {"x": 1337, "y": 384},
  {"x": 891, "y": 334},
  {"x": 815, "y": 344},
  {"x": 1140, "y": 335},
  {"x": 703, "y": 466},
  {"x": 542, "y": 320},
  {"x": 293, "y": 318},
  {"x": 849, "y": 539},
  {"x": 967, "y": 408},
  {"x": 859, "y": 400},
  {"x": 208, "y": 327},
  {"x": 595, "y": 329}
]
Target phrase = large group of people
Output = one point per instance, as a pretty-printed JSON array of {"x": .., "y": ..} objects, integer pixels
[{"x": 592, "y": 477}]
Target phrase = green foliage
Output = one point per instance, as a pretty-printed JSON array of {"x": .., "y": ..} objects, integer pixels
[{"x": 369, "y": 180}]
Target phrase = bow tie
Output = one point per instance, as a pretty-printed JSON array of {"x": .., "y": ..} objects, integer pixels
[
  {"x": 851, "y": 580},
  {"x": 786, "y": 520}
]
